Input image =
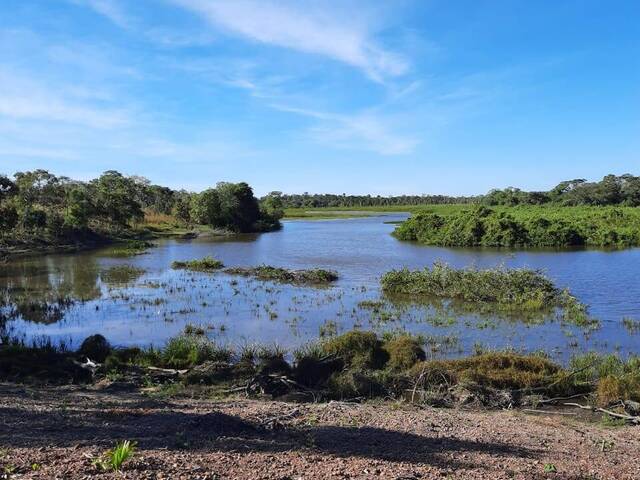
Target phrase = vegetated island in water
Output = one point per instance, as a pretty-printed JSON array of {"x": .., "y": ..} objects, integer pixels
[
  {"x": 499, "y": 289},
  {"x": 313, "y": 276}
]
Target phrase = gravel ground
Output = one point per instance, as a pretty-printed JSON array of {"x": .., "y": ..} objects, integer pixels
[{"x": 48, "y": 432}]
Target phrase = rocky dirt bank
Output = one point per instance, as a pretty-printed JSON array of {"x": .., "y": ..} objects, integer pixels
[{"x": 56, "y": 432}]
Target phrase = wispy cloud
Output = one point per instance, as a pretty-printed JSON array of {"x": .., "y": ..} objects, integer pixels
[
  {"x": 368, "y": 131},
  {"x": 326, "y": 32},
  {"x": 109, "y": 9},
  {"x": 24, "y": 98}
]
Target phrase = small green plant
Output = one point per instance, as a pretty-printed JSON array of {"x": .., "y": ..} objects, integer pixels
[
  {"x": 550, "y": 468},
  {"x": 115, "y": 458}
]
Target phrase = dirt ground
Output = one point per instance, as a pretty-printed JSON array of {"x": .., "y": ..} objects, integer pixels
[{"x": 48, "y": 432}]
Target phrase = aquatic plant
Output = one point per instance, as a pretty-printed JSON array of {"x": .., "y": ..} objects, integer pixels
[
  {"x": 121, "y": 274},
  {"x": 129, "y": 248},
  {"x": 316, "y": 276},
  {"x": 206, "y": 264},
  {"x": 522, "y": 288}
]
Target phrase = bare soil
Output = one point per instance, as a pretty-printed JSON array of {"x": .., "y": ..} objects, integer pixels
[{"x": 55, "y": 432}]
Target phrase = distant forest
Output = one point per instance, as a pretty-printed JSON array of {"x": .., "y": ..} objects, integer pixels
[{"x": 611, "y": 190}]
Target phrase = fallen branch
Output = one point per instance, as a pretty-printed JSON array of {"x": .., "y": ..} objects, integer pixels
[{"x": 629, "y": 418}]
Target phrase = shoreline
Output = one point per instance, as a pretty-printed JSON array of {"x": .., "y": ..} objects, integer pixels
[{"x": 58, "y": 432}]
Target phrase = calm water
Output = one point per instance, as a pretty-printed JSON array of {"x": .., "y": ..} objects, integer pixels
[{"x": 68, "y": 297}]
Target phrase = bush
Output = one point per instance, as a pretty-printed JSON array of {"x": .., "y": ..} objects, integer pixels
[
  {"x": 524, "y": 226},
  {"x": 501, "y": 370},
  {"x": 404, "y": 352},
  {"x": 357, "y": 350}
]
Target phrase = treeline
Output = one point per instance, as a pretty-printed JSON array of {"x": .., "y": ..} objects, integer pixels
[
  {"x": 39, "y": 204},
  {"x": 307, "y": 200},
  {"x": 525, "y": 226},
  {"x": 611, "y": 190}
]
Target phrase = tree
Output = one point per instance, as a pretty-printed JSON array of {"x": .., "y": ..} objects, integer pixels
[
  {"x": 39, "y": 187},
  {"x": 273, "y": 205},
  {"x": 8, "y": 218},
  {"x": 182, "y": 209},
  {"x": 115, "y": 198},
  {"x": 205, "y": 208},
  {"x": 79, "y": 208}
]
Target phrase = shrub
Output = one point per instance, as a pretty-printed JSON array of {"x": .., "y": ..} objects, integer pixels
[
  {"x": 404, "y": 352},
  {"x": 501, "y": 370},
  {"x": 357, "y": 349}
]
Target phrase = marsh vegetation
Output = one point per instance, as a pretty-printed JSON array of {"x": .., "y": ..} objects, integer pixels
[{"x": 524, "y": 226}]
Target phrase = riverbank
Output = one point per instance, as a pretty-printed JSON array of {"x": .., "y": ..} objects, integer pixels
[{"x": 58, "y": 432}]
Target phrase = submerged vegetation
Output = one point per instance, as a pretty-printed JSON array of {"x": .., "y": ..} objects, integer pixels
[
  {"x": 355, "y": 365},
  {"x": 525, "y": 226},
  {"x": 315, "y": 276}
]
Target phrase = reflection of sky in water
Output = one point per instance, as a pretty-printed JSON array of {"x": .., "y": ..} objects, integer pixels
[{"x": 133, "y": 308}]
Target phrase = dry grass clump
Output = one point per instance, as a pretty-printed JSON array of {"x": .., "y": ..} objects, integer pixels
[{"x": 500, "y": 370}]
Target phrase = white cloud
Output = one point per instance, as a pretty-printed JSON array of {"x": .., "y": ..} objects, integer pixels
[
  {"x": 367, "y": 131},
  {"x": 108, "y": 9},
  {"x": 23, "y": 98},
  {"x": 327, "y": 32}
]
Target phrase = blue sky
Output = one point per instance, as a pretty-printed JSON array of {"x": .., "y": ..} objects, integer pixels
[{"x": 380, "y": 97}]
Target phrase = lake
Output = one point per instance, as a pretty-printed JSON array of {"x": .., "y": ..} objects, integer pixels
[{"x": 140, "y": 300}]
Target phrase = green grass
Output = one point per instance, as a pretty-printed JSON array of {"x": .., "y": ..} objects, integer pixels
[
  {"x": 315, "y": 276},
  {"x": 115, "y": 458},
  {"x": 206, "y": 264},
  {"x": 519, "y": 288}
]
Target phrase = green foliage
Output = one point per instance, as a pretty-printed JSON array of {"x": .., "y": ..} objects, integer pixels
[
  {"x": 115, "y": 458},
  {"x": 114, "y": 197},
  {"x": 615, "y": 378},
  {"x": 79, "y": 208},
  {"x": 357, "y": 349},
  {"x": 315, "y": 276},
  {"x": 404, "y": 352},
  {"x": 510, "y": 288},
  {"x": 186, "y": 351},
  {"x": 232, "y": 206},
  {"x": 524, "y": 226},
  {"x": 206, "y": 264}
]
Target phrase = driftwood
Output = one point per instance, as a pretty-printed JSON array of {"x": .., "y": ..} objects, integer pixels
[{"x": 629, "y": 418}]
